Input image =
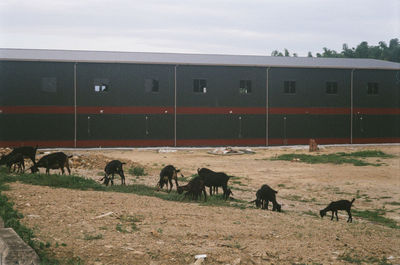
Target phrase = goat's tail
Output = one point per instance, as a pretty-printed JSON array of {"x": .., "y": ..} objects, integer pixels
[
  {"x": 198, "y": 170},
  {"x": 70, "y": 156},
  {"x": 353, "y": 200}
]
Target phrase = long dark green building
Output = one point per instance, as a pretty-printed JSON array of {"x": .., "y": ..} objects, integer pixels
[{"x": 56, "y": 98}]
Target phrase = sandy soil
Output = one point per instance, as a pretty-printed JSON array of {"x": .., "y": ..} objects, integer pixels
[{"x": 167, "y": 232}]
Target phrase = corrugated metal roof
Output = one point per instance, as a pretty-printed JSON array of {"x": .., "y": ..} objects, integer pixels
[{"x": 193, "y": 59}]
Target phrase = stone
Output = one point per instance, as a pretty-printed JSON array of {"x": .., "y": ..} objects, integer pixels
[{"x": 13, "y": 250}]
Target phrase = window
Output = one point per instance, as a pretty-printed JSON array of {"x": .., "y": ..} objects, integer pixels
[
  {"x": 372, "y": 89},
  {"x": 151, "y": 85},
  {"x": 101, "y": 85},
  {"x": 289, "y": 87},
  {"x": 331, "y": 88},
  {"x": 200, "y": 85},
  {"x": 49, "y": 84},
  {"x": 245, "y": 87}
]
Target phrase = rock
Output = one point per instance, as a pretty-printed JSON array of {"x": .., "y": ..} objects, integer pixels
[
  {"x": 13, "y": 250},
  {"x": 199, "y": 261}
]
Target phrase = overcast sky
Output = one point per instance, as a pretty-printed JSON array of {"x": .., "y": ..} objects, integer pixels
[{"x": 199, "y": 26}]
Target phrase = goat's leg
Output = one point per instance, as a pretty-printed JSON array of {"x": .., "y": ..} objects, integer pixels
[
  {"x": 170, "y": 185},
  {"x": 332, "y": 215},
  {"x": 62, "y": 170},
  {"x": 67, "y": 166},
  {"x": 112, "y": 179},
  {"x": 337, "y": 218},
  {"x": 350, "y": 219},
  {"x": 205, "y": 194},
  {"x": 225, "y": 188}
]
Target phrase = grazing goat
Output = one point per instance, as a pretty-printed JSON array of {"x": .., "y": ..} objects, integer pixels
[
  {"x": 194, "y": 188},
  {"x": 214, "y": 179},
  {"x": 15, "y": 159},
  {"x": 338, "y": 205},
  {"x": 26, "y": 151},
  {"x": 52, "y": 161},
  {"x": 113, "y": 167},
  {"x": 168, "y": 174},
  {"x": 264, "y": 195}
]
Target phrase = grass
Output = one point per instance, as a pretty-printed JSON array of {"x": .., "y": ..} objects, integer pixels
[
  {"x": 376, "y": 216},
  {"x": 137, "y": 171},
  {"x": 354, "y": 258},
  {"x": 311, "y": 213},
  {"x": 93, "y": 237},
  {"x": 336, "y": 158},
  {"x": 393, "y": 203}
]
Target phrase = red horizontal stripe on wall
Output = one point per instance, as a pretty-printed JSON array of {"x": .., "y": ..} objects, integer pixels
[
  {"x": 377, "y": 111},
  {"x": 37, "y": 109},
  {"x": 125, "y": 110},
  {"x": 376, "y": 140},
  {"x": 220, "y": 110},
  {"x": 309, "y": 111},
  {"x": 305, "y": 141},
  {"x": 190, "y": 110}
]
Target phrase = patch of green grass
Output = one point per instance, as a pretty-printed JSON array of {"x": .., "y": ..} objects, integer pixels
[
  {"x": 357, "y": 259},
  {"x": 376, "y": 216},
  {"x": 393, "y": 203},
  {"x": 93, "y": 237},
  {"x": 368, "y": 153},
  {"x": 299, "y": 198},
  {"x": 137, "y": 171},
  {"x": 336, "y": 158},
  {"x": 311, "y": 213}
]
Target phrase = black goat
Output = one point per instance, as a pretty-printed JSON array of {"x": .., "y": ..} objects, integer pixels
[
  {"x": 26, "y": 151},
  {"x": 113, "y": 167},
  {"x": 194, "y": 188},
  {"x": 214, "y": 179},
  {"x": 53, "y": 161},
  {"x": 265, "y": 195},
  {"x": 15, "y": 159},
  {"x": 338, "y": 205},
  {"x": 168, "y": 174}
]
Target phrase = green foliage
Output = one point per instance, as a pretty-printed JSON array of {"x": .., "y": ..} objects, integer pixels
[
  {"x": 376, "y": 216},
  {"x": 381, "y": 51},
  {"x": 336, "y": 158},
  {"x": 357, "y": 259},
  {"x": 93, "y": 237},
  {"x": 137, "y": 171}
]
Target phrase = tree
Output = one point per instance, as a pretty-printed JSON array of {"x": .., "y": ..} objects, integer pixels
[{"x": 381, "y": 51}]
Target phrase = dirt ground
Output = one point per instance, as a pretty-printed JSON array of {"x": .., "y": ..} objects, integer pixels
[{"x": 97, "y": 227}]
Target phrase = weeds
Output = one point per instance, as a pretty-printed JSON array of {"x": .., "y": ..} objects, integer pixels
[
  {"x": 376, "y": 216},
  {"x": 348, "y": 257},
  {"x": 93, "y": 237},
  {"x": 137, "y": 171},
  {"x": 336, "y": 158}
]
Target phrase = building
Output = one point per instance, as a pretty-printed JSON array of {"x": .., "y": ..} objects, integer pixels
[{"x": 57, "y": 98}]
